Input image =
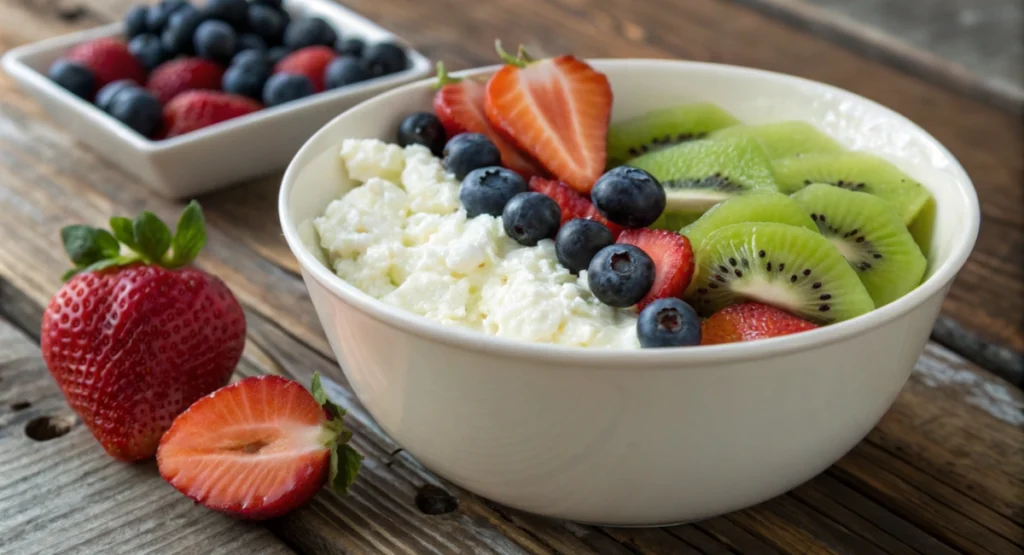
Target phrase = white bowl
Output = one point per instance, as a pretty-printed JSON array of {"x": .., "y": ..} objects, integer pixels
[
  {"x": 219, "y": 155},
  {"x": 644, "y": 437}
]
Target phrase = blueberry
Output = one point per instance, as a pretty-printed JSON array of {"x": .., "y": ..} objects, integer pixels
[
  {"x": 351, "y": 46},
  {"x": 285, "y": 87},
  {"x": 668, "y": 322},
  {"x": 620, "y": 275},
  {"x": 253, "y": 58},
  {"x": 73, "y": 77},
  {"x": 135, "y": 20},
  {"x": 148, "y": 50},
  {"x": 268, "y": 3},
  {"x": 177, "y": 36},
  {"x": 215, "y": 40},
  {"x": 488, "y": 190},
  {"x": 106, "y": 96},
  {"x": 578, "y": 241},
  {"x": 629, "y": 196},
  {"x": 158, "y": 15},
  {"x": 232, "y": 12},
  {"x": 245, "y": 79},
  {"x": 466, "y": 152},
  {"x": 344, "y": 70},
  {"x": 277, "y": 53},
  {"x": 422, "y": 128},
  {"x": 530, "y": 217},
  {"x": 139, "y": 109},
  {"x": 250, "y": 41},
  {"x": 309, "y": 31},
  {"x": 269, "y": 23},
  {"x": 384, "y": 58}
]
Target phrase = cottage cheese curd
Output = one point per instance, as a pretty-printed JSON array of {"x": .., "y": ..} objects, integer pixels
[{"x": 403, "y": 237}]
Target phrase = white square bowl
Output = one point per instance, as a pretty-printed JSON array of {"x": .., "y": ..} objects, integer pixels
[{"x": 220, "y": 155}]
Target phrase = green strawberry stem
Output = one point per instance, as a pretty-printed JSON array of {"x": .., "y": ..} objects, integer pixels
[
  {"x": 345, "y": 461},
  {"x": 521, "y": 60},
  {"x": 146, "y": 239},
  {"x": 443, "y": 78}
]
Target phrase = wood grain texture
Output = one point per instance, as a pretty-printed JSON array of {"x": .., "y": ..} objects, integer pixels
[{"x": 66, "y": 495}]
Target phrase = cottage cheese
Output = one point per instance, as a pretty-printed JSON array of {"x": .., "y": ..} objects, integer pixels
[{"x": 403, "y": 237}]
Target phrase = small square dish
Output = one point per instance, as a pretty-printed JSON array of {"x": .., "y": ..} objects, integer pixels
[{"x": 219, "y": 155}]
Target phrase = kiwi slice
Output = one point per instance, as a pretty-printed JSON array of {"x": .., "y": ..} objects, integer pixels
[
  {"x": 870, "y": 235},
  {"x": 766, "y": 206},
  {"x": 856, "y": 171},
  {"x": 660, "y": 128},
  {"x": 792, "y": 268},
  {"x": 784, "y": 139}
]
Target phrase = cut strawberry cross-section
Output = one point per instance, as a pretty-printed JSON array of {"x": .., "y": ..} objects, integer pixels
[
  {"x": 557, "y": 110},
  {"x": 258, "y": 448},
  {"x": 750, "y": 321},
  {"x": 673, "y": 261},
  {"x": 459, "y": 104},
  {"x": 572, "y": 204}
]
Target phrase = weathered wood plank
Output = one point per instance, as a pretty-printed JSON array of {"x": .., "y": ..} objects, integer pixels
[{"x": 63, "y": 494}]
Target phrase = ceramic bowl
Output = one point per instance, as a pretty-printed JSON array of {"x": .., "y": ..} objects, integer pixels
[
  {"x": 647, "y": 437},
  {"x": 219, "y": 155}
]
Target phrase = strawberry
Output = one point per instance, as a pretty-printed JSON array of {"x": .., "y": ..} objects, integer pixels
[
  {"x": 750, "y": 321},
  {"x": 572, "y": 204},
  {"x": 194, "y": 110},
  {"x": 557, "y": 110},
  {"x": 259, "y": 448},
  {"x": 310, "y": 61},
  {"x": 174, "y": 77},
  {"x": 673, "y": 261},
  {"x": 109, "y": 60},
  {"x": 459, "y": 104},
  {"x": 136, "y": 334}
]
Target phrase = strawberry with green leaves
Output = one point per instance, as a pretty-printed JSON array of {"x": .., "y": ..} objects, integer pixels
[{"x": 136, "y": 334}]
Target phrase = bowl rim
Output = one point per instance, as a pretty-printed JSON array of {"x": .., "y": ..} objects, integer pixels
[{"x": 477, "y": 341}]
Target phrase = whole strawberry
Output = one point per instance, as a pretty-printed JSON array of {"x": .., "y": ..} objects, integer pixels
[
  {"x": 192, "y": 110},
  {"x": 109, "y": 60},
  {"x": 136, "y": 335}
]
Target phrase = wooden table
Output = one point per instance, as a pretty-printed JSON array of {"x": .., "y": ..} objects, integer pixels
[{"x": 942, "y": 473}]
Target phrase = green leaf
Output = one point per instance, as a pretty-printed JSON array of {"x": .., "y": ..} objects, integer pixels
[
  {"x": 190, "y": 236},
  {"x": 100, "y": 265},
  {"x": 152, "y": 235},
  {"x": 317, "y": 389},
  {"x": 345, "y": 465},
  {"x": 86, "y": 245},
  {"x": 123, "y": 231}
]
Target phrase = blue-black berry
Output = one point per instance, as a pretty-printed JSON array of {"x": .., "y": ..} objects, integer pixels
[
  {"x": 285, "y": 87},
  {"x": 277, "y": 53},
  {"x": 488, "y": 190},
  {"x": 135, "y": 20},
  {"x": 181, "y": 27},
  {"x": 232, "y": 12},
  {"x": 245, "y": 79},
  {"x": 620, "y": 275},
  {"x": 253, "y": 58},
  {"x": 148, "y": 50},
  {"x": 530, "y": 217},
  {"x": 73, "y": 77},
  {"x": 344, "y": 70},
  {"x": 105, "y": 97},
  {"x": 384, "y": 58},
  {"x": 139, "y": 109},
  {"x": 267, "y": 22},
  {"x": 351, "y": 46},
  {"x": 466, "y": 152},
  {"x": 215, "y": 40},
  {"x": 422, "y": 128},
  {"x": 668, "y": 322},
  {"x": 309, "y": 31},
  {"x": 629, "y": 197},
  {"x": 159, "y": 14},
  {"x": 250, "y": 41},
  {"x": 578, "y": 241}
]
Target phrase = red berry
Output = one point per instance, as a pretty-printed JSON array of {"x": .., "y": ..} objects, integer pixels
[
  {"x": 673, "y": 261},
  {"x": 310, "y": 61},
  {"x": 194, "y": 110},
  {"x": 572, "y": 204},
  {"x": 109, "y": 60},
  {"x": 750, "y": 321},
  {"x": 174, "y": 77}
]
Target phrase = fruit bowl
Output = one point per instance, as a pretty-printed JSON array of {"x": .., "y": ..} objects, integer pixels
[
  {"x": 646, "y": 437},
  {"x": 207, "y": 159}
]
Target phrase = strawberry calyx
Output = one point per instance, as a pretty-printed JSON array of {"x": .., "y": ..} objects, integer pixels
[
  {"x": 345, "y": 461},
  {"x": 145, "y": 239},
  {"x": 521, "y": 60},
  {"x": 443, "y": 79}
]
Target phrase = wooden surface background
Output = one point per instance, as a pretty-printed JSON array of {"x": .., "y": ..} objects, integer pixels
[{"x": 942, "y": 473}]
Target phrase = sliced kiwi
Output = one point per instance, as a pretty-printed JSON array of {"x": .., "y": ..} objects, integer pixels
[
  {"x": 699, "y": 174},
  {"x": 784, "y": 139},
  {"x": 792, "y": 268},
  {"x": 758, "y": 206},
  {"x": 661, "y": 128},
  {"x": 856, "y": 171},
  {"x": 870, "y": 235}
]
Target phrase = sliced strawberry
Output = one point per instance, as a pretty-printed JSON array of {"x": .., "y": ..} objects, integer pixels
[
  {"x": 192, "y": 110},
  {"x": 109, "y": 59},
  {"x": 750, "y": 321},
  {"x": 572, "y": 204},
  {"x": 258, "y": 448},
  {"x": 179, "y": 75},
  {"x": 673, "y": 261},
  {"x": 557, "y": 110},
  {"x": 459, "y": 104}
]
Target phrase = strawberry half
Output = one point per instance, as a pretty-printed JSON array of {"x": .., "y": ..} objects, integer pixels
[
  {"x": 259, "y": 448},
  {"x": 557, "y": 110},
  {"x": 572, "y": 204},
  {"x": 673, "y": 261},
  {"x": 750, "y": 321},
  {"x": 459, "y": 104}
]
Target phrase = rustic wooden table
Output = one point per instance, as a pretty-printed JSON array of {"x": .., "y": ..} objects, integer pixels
[{"x": 942, "y": 473}]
